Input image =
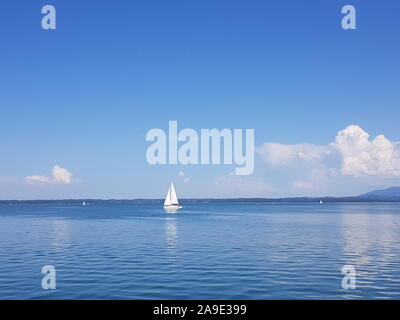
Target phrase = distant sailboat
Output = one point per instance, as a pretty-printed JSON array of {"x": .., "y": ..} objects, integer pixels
[
  {"x": 83, "y": 203},
  {"x": 320, "y": 201},
  {"x": 171, "y": 200}
]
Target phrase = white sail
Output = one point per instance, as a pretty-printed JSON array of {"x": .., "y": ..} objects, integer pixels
[
  {"x": 174, "y": 198},
  {"x": 171, "y": 198},
  {"x": 167, "y": 201}
]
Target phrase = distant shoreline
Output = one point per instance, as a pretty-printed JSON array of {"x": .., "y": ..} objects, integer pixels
[
  {"x": 386, "y": 195},
  {"x": 200, "y": 200}
]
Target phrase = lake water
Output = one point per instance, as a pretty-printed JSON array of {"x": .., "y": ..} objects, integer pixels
[{"x": 206, "y": 251}]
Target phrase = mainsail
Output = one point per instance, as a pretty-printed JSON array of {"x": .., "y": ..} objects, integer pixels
[{"x": 171, "y": 198}]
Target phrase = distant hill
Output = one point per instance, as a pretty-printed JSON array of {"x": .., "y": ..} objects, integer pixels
[{"x": 390, "y": 194}]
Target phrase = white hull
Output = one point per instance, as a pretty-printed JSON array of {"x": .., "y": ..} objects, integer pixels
[{"x": 173, "y": 207}]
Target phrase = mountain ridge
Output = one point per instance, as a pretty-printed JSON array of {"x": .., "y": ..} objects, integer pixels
[{"x": 392, "y": 193}]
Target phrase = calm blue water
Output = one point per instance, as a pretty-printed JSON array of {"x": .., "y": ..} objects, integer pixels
[{"x": 206, "y": 251}]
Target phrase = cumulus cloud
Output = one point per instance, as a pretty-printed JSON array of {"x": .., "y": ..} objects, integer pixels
[
  {"x": 186, "y": 180},
  {"x": 362, "y": 156},
  {"x": 358, "y": 155},
  {"x": 59, "y": 175}
]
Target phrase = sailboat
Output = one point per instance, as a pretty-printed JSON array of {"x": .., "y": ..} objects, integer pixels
[
  {"x": 171, "y": 201},
  {"x": 83, "y": 203}
]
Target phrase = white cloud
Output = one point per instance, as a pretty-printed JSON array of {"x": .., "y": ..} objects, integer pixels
[
  {"x": 362, "y": 156},
  {"x": 36, "y": 179},
  {"x": 358, "y": 155},
  {"x": 59, "y": 175},
  {"x": 185, "y": 179},
  {"x": 354, "y": 162},
  {"x": 284, "y": 154}
]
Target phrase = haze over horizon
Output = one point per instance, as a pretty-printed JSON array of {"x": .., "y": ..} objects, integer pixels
[{"x": 77, "y": 101}]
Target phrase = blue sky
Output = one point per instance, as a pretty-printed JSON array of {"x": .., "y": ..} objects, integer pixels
[{"x": 84, "y": 95}]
